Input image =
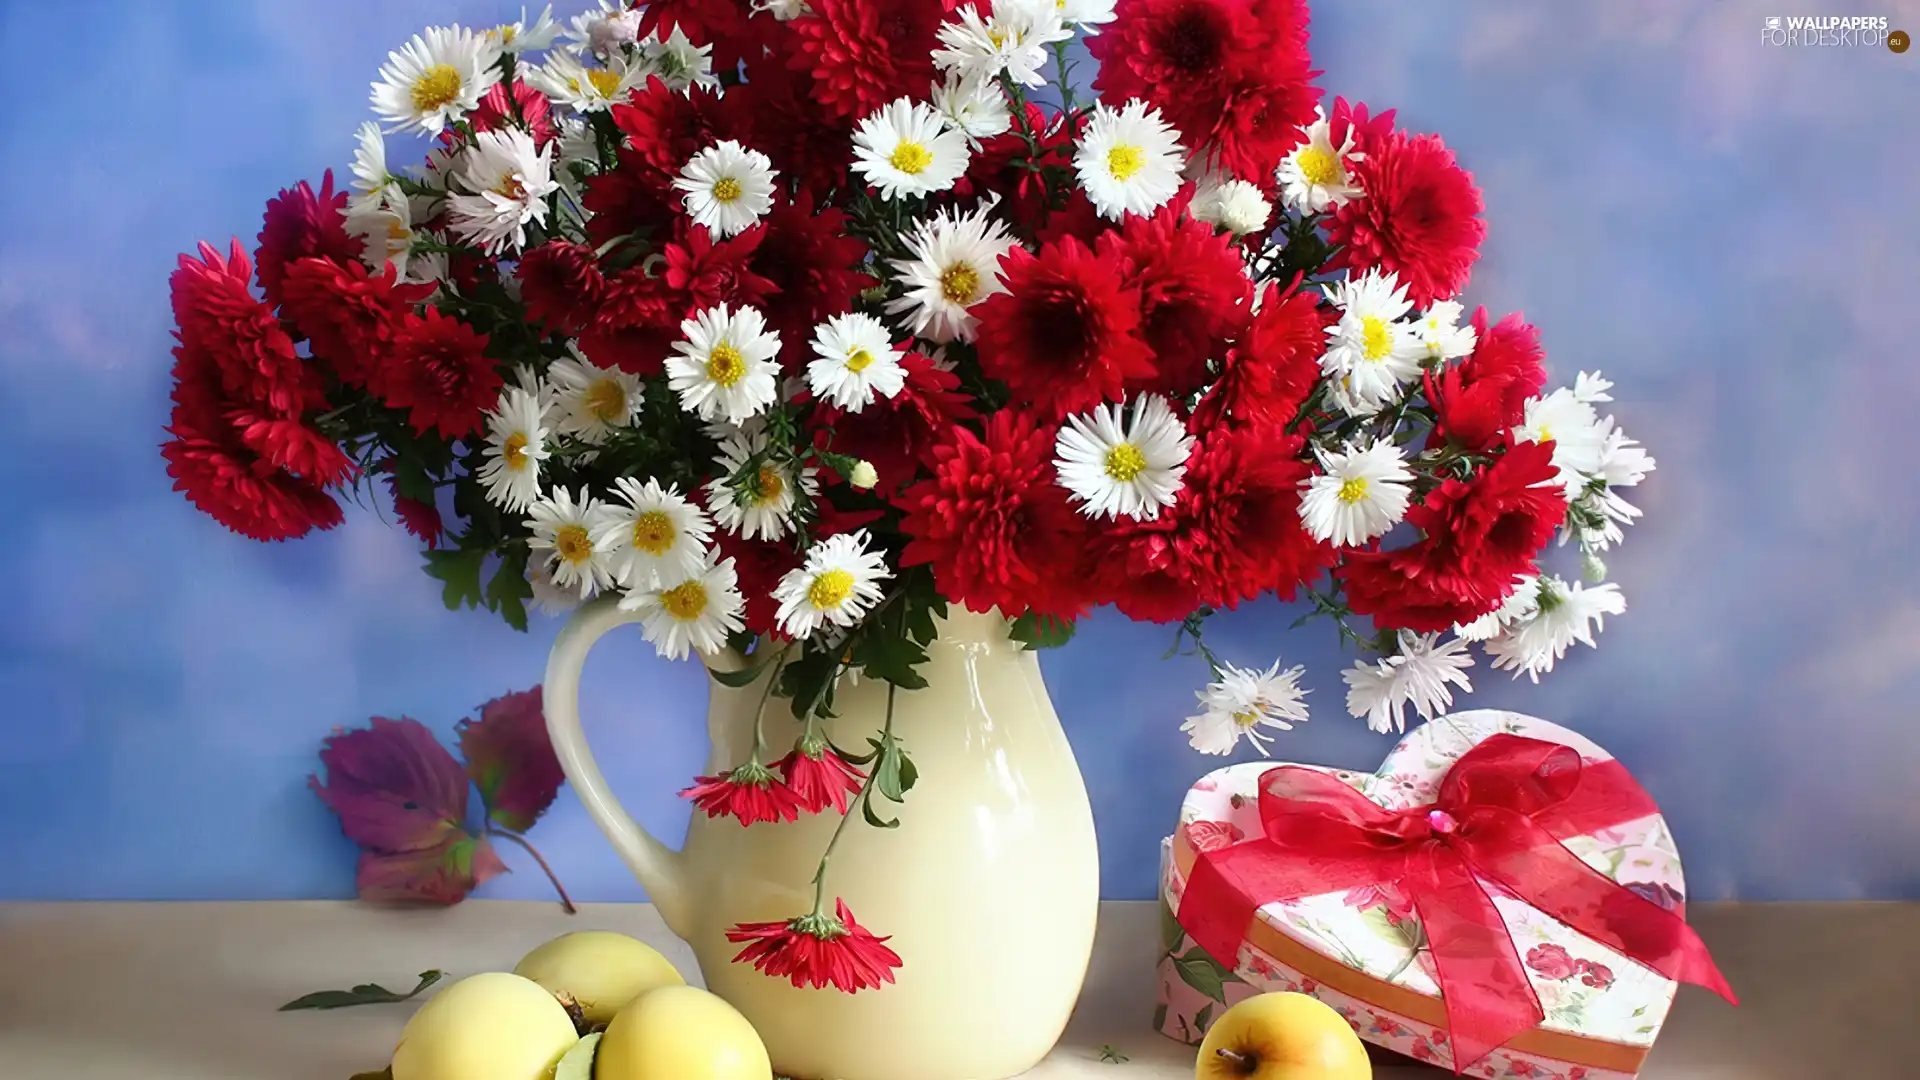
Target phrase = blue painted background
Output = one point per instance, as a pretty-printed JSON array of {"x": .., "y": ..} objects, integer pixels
[{"x": 1727, "y": 230}]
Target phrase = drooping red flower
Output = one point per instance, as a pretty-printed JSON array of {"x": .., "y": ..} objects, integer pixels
[
  {"x": 300, "y": 224},
  {"x": 1065, "y": 336},
  {"x": 809, "y": 258},
  {"x": 1233, "y": 76},
  {"x": 520, "y": 107},
  {"x": 700, "y": 273},
  {"x": 818, "y": 951},
  {"x": 221, "y": 319},
  {"x": 1477, "y": 538},
  {"x": 865, "y": 53},
  {"x": 1481, "y": 398},
  {"x": 896, "y": 434},
  {"x": 561, "y": 284},
  {"x": 819, "y": 777},
  {"x": 1420, "y": 218},
  {"x": 1267, "y": 375},
  {"x": 751, "y": 793},
  {"x": 1194, "y": 293},
  {"x": 350, "y": 314},
  {"x": 228, "y": 480},
  {"x": 440, "y": 373},
  {"x": 993, "y": 523}
]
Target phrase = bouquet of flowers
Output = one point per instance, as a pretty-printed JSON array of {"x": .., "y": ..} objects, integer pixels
[{"x": 791, "y": 322}]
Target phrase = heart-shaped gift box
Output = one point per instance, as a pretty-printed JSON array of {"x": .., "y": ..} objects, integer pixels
[{"x": 1365, "y": 949}]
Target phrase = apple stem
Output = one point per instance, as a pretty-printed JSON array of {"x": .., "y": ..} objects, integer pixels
[{"x": 1244, "y": 1064}]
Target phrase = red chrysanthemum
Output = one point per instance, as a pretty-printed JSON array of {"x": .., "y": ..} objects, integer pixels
[
  {"x": 790, "y": 127},
  {"x": 1003, "y": 166},
  {"x": 1419, "y": 219},
  {"x": 440, "y": 373},
  {"x": 421, "y": 519},
  {"x": 350, "y": 314},
  {"x": 865, "y": 53},
  {"x": 220, "y": 318},
  {"x": 700, "y": 273},
  {"x": 300, "y": 224},
  {"x": 818, "y": 951},
  {"x": 723, "y": 24},
  {"x": 636, "y": 324},
  {"x": 809, "y": 258},
  {"x": 1477, "y": 538},
  {"x": 751, "y": 793},
  {"x": 561, "y": 284},
  {"x": 520, "y": 107},
  {"x": 631, "y": 198},
  {"x": 1194, "y": 293},
  {"x": 1065, "y": 336},
  {"x": 896, "y": 434},
  {"x": 1484, "y": 396},
  {"x": 994, "y": 524},
  {"x": 1369, "y": 130},
  {"x": 1233, "y": 76},
  {"x": 1267, "y": 375},
  {"x": 666, "y": 127},
  {"x": 819, "y": 777}
]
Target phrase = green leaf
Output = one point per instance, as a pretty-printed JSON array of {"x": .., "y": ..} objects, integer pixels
[
  {"x": 1160, "y": 1017},
  {"x": 873, "y": 819},
  {"x": 383, "y": 1074},
  {"x": 577, "y": 1063},
  {"x": 509, "y": 590},
  {"x": 890, "y": 657},
  {"x": 893, "y": 777},
  {"x": 460, "y": 571},
  {"x": 1041, "y": 631},
  {"x": 1203, "y": 1019},
  {"x": 410, "y": 479},
  {"x": 745, "y": 676},
  {"x": 1170, "y": 929},
  {"x": 1199, "y": 971},
  {"x": 364, "y": 994},
  {"x": 807, "y": 680}
]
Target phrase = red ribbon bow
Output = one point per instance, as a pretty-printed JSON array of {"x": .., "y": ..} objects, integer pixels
[{"x": 1502, "y": 812}]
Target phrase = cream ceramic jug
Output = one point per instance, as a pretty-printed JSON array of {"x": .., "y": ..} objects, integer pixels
[{"x": 989, "y": 887}]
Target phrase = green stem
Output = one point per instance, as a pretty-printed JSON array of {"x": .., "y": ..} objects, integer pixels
[
  {"x": 866, "y": 789},
  {"x": 760, "y": 714}
]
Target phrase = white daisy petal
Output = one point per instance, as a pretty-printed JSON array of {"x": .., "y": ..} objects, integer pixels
[
  {"x": 855, "y": 361},
  {"x": 1421, "y": 674},
  {"x": 507, "y": 182},
  {"x": 764, "y": 509},
  {"x": 523, "y": 36},
  {"x": 1129, "y": 160},
  {"x": 696, "y": 613},
  {"x": 1133, "y": 471},
  {"x": 1358, "y": 495},
  {"x": 678, "y": 62},
  {"x": 976, "y": 107},
  {"x": 836, "y": 586},
  {"x": 1240, "y": 702},
  {"x": 592, "y": 402},
  {"x": 955, "y": 266},
  {"x": 1440, "y": 331},
  {"x": 1230, "y": 204},
  {"x": 1370, "y": 351},
  {"x": 653, "y": 534},
  {"x": 908, "y": 148},
  {"x": 565, "y": 529},
  {"x": 605, "y": 30},
  {"x": 583, "y": 88},
  {"x": 724, "y": 368},
  {"x": 435, "y": 79},
  {"x": 727, "y": 187},
  {"x": 1013, "y": 40},
  {"x": 1562, "y": 615},
  {"x": 1314, "y": 175},
  {"x": 516, "y": 445}
]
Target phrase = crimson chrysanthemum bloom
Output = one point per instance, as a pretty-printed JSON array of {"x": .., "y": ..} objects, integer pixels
[
  {"x": 525, "y": 110},
  {"x": 299, "y": 224},
  {"x": 1419, "y": 218},
  {"x": 790, "y": 127},
  {"x": 1352, "y": 118},
  {"x": 221, "y": 319},
  {"x": 440, "y": 373},
  {"x": 421, "y": 519},
  {"x": 723, "y": 24},
  {"x": 896, "y": 434},
  {"x": 665, "y": 127},
  {"x": 1477, "y": 538},
  {"x": 1233, "y": 76},
  {"x": 350, "y": 314},
  {"x": 1194, "y": 293},
  {"x": 561, "y": 284},
  {"x": 1065, "y": 336},
  {"x": 1484, "y": 396},
  {"x": 818, "y": 776},
  {"x": 700, "y": 273},
  {"x": 751, "y": 793},
  {"x": 818, "y": 951},
  {"x": 636, "y": 324},
  {"x": 809, "y": 258},
  {"x": 993, "y": 522},
  {"x": 628, "y": 200},
  {"x": 1270, "y": 371},
  {"x": 865, "y": 53}
]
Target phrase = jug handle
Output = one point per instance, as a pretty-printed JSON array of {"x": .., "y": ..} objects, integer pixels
[{"x": 661, "y": 869}]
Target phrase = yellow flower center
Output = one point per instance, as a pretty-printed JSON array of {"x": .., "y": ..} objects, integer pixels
[
  {"x": 830, "y": 590},
  {"x": 998, "y": 36},
  {"x": 1353, "y": 489},
  {"x": 726, "y": 189},
  {"x": 685, "y": 602},
  {"x": 653, "y": 532},
  {"x": 1546, "y": 434},
  {"x": 605, "y": 82},
  {"x": 768, "y": 485},
  {"x": 860, "y": 361},
  {"x": 573, "y": 544},
  {"x": 1320, "y": 167},
  {"x": 397, "y": 233},
  {"x": 910, "y": 158},
  {"x": 1246, "y": 718},
  {"x": 505, "y": 33},
  {"x": 725, "y": 365},
  {"x": 436, "y": 88},
  {"x": 1124, "y": 161},
  {"x": 959, "y": 284},
  {"x": 511, "y": 187},
  {"x": 1376, "y": 338},
  {"x": 514, "y": 453},
  {"x": 1124, "y": 462},
  {"x": 606, "y": 401}
]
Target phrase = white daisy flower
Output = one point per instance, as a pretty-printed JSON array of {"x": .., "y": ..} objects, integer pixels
[
  {"x": 1421, "y": 674},
  {"x": 955, "y": 265},
  {"x": 1562, "y": 615},
  {"x": 1314, "y": 175},
  {"x": 385, "y": 229},
  {"x": 1440, "y": 331},
  {"x": 1578, "y": 435},
  {"x": 1088, "y": 15},
  {"x": 977, "y": 108},
  {"x": 564, "y": 528},
  {"x": 1241, "y": 702},
  {"x": 724, "y": 369},
  {"x": 678, "y": 61},
  {"x": 1230, "y": 204},
  {"x": 592, "y": 402},
  {"x": 1518, "y": 605},
  {"x": 575, "y": 151},
  {"x": 906, "y": 148},
  {"x": 605, "y": 30},
  {"x": 568, "y": 81},
  {"x": 435, "y": 79},
  {"x": 548, "y": 598},
  {"x": 1623, "y": 461},
  {"x": 516, "y": 445},
  {"x": 854, "y": 361},
  {"x": 1128, "y": 161},
  {"x": 782, "y": 10},
  {"x": 1013, "y": 40},
  {"x": 836, "y": 586},
  {"x": 1358, "y": 495},
  {"x": 370, "y": 175},
  {"x": 764, "y": 510},
  {"x": 509, "y": 182},
  {"x": 727, "y": 187},
  {"x": 1133, "y": 471},
  {"x": 1370, "y": 351},
  {"x": 654, "y": 535},
  {"x": 1591, "y": 387},
  {"x": 524, "y": 37},
  {"x": 695, "y": 613}
]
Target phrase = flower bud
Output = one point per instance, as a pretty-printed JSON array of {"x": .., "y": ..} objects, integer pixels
[
  {"x": 863, "y": 476},
  {"x": 1592, "y": 568}
]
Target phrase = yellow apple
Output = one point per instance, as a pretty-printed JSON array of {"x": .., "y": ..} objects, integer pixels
[
  {"x": 485, "y": 1027},
  {"x": 1281, "y": 1037},
  {"x": 600, "y": 970},
  {"x": 680, "y": 1033}
]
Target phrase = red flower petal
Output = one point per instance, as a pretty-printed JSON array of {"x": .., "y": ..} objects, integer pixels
[
  {"x": 817, "y": 951},
  {"x": 1419, "y": 220},
  {"x": 1065, "y": 336},
  {"x": 820, "y": 779},
  {"x": 751, "y": 793}
]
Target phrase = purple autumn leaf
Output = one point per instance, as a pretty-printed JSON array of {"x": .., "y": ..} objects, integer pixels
[
  {"x": 511, "y": 759},
  {"x": 394, "y": 787},
  {"x": 438, "y": 875}
]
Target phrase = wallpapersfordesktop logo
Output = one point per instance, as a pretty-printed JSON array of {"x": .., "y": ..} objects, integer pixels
[{"x": 1841, "y": 31}]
